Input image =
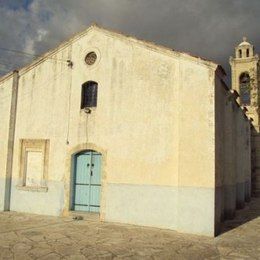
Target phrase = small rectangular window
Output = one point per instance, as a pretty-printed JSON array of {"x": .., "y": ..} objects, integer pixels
[{"x": 33, "y": 164}]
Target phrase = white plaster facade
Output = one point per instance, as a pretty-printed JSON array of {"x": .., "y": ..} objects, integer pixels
[{"x": 165, "y": 124}]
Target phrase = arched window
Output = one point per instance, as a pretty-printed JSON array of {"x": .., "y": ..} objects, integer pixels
[
  {"x": 244, "y": 86},
  {"x": 89, "y": 94},
  {"x": 240, "y": 53},
  {"x": 247, "y": 52}
]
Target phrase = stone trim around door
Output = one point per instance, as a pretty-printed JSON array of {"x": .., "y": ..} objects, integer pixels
[{"x": 68, "y": 177}]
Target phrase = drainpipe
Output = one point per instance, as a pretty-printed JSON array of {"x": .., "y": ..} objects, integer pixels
[{"x": 10, "y": 146}]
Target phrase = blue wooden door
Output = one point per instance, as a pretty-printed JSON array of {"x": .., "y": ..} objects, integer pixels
[{"x": 87, "y": 181}]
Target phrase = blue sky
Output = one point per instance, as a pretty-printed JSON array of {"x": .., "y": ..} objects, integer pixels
[{"x": 16, "y": 4}]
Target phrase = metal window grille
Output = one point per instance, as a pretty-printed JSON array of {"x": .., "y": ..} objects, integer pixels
[
  {"x": 91, "y": 58},
  {"x": 89, "y": 94}
]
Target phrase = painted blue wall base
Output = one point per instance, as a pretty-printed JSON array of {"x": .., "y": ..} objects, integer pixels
[
  {"x": 186, "y": 209},
  {"x": 39, "y": 202},
  {"x": 2, "y": 193}
]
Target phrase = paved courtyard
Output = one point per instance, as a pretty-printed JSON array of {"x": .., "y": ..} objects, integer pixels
[{"x": 25, "y": 236}]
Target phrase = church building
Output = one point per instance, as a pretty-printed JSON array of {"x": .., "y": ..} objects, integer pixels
[{"x": 128, "y": 130}]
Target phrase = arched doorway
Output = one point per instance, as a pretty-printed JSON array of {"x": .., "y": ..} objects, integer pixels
[{"x": 87, "y": 181}]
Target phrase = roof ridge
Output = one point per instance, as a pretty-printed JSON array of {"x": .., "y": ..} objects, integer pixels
[
  {"x": 153, "y": 43},
  {"x": 94, "y": 25}
]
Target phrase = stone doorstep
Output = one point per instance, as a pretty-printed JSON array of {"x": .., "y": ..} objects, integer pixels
[{"x": 82, "y": 215}]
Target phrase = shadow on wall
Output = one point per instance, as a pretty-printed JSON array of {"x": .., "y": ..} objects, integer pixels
[
  {"x": 255, "y": 162},
  {"x": 249, "y": 212}
]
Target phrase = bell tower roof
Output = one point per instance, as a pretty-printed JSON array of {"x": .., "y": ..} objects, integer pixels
[
  {"x": 244, "y": 50},
  {"x": 244, "y": 42}
]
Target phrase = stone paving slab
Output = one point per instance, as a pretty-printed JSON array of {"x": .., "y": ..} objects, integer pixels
[{"x": 27, "y": 236}]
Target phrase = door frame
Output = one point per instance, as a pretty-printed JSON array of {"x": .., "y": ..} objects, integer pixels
[{"x": 69, "y": 181}]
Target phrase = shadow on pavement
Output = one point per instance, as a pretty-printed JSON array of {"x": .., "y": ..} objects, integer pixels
[{"x": 249, "y": 212}]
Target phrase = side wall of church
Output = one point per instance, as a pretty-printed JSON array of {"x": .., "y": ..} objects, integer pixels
[
  {"x": 5, "y": 104},
  {"x": 220, "y": 140},
  {"x": 233, "y": 154}
]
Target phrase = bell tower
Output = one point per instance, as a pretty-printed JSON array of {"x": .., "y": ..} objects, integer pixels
[{"x": 245, "y": 79}]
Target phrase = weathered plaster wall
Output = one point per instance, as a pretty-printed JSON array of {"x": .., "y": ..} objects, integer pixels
[
  {"x": 240, "y": 173},
  {"x": 256, "y": 163},
  {"x": 248, "y": 166},
  {"x": 5, "y": 103},
  {"x": 220, "y": 100},
  {"x": 230, "y": 157},
  {"x": 233, "y": 153},
  {"x": 42, "y": 114},
  {"x": 243, "y": 164},
  {"x": 196, "y": 173}
]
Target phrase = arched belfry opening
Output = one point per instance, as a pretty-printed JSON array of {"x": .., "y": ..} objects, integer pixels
[
  {"x": 245, "y": 89},
  {"x": 247, "y": 53},
  {"x": 244, "y": 50},
  {"x": 240, "y": 53}
]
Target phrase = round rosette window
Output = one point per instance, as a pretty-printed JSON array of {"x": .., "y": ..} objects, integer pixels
[{"x": 91, "y": 58}]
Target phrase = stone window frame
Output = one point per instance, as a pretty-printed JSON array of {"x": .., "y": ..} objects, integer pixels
[
  {"x": 91, "y": 58},
  {"x": 33, "y": 145},
  {"x": 87, "y": 51}
]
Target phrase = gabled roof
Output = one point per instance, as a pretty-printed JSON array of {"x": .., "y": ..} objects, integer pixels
[{"x": 144, "y": 43}]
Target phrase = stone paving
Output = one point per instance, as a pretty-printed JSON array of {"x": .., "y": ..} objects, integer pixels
[{"x": 26, "y": 236}]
